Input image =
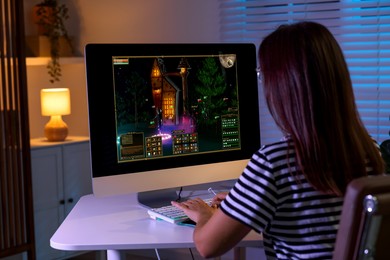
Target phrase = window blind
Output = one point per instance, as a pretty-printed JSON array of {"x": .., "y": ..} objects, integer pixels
[
  {"x": 16, "y": 214},
  {"x": 362, "y": 28}
]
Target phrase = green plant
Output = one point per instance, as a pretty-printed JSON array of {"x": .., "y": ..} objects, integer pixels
[{"x": 50, "y": 18}]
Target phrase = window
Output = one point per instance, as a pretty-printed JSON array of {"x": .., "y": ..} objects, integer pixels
[{"x": 362, "y": 28}]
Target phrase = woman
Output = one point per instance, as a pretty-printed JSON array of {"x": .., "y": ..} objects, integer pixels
[{"x": 292, "y": 190}]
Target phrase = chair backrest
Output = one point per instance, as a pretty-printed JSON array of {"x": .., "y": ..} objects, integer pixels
[{"x": 364, "y": 230}]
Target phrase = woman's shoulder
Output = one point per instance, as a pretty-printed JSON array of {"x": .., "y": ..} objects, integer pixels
[
  {"x": 284, "y": 145},
  {"x": 275, "y": 153}
]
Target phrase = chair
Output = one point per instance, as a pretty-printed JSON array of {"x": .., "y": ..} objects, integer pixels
[{"x": 364, "y": 230}]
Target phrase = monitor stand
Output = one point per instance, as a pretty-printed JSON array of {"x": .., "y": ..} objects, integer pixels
[
  {"x": 157, "y": 198},
  {"x": 163, "y": 197}
]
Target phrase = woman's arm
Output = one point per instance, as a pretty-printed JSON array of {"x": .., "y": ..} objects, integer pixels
[
  {"x": 215, "y": 232},
  {"x": 219, "y": 234}
]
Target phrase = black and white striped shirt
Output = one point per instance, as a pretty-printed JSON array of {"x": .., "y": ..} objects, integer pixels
[{"x": 297, "y": 221}]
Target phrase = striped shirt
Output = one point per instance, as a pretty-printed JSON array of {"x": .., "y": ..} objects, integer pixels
[{"x": 297, "y": 222}]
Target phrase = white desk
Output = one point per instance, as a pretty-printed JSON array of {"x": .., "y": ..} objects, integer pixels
[{"x": 119, "y": 223}]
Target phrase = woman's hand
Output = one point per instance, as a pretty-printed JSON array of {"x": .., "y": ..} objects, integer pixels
[
  {"x": 195, "y": 209},
  {"x": 215, "y": 232},
  {"x": 218, "y": 198}
]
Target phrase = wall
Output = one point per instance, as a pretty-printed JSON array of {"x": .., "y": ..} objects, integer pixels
[{"x": 135, "y": 21}]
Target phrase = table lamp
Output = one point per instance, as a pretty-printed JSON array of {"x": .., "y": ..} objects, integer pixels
[{"x": 55, "y": 102}]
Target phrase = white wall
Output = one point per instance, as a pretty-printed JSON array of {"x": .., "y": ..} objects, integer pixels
[{"x": 135, "y": 21}]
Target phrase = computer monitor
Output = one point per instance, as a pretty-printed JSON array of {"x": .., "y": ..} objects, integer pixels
[{"x": 170, "y": 115}]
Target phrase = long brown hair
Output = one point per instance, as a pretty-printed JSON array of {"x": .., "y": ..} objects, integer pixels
[{"x": 309, "y": 94}]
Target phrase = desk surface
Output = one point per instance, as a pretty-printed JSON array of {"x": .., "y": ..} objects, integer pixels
[{"x": 120, "y": 223}]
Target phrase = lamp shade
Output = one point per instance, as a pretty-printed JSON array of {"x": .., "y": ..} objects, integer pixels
[{"x": 55, "y": 101}]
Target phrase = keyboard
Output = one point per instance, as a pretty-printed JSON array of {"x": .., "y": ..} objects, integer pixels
[{"x": 170, "y": 213}]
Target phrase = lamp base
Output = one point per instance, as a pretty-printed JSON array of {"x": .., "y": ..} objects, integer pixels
[{"x": 56, "y": 129}]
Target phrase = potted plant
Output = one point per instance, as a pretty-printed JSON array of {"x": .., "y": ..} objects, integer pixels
[{"x": 50, "y": 15}]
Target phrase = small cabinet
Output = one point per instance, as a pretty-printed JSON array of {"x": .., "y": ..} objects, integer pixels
[{"x": 61, "y": 174}]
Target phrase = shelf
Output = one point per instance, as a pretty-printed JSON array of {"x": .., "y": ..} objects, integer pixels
[
  {"x": 42, "y": 61},
  {"x": 41, "y": 142}
]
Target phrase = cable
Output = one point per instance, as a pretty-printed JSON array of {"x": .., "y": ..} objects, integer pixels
[
  {"x": 157, "y": 254},
  {"x": 179, "y": 194},
  {"x": 212, "y": 191},
  {"x": 192, "y": 255}
]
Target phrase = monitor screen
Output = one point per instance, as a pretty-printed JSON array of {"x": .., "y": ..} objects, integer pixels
[{"x": 170, "y": 115}]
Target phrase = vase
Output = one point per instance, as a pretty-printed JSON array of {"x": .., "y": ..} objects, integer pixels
[{"x": 43, "y": 17}]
